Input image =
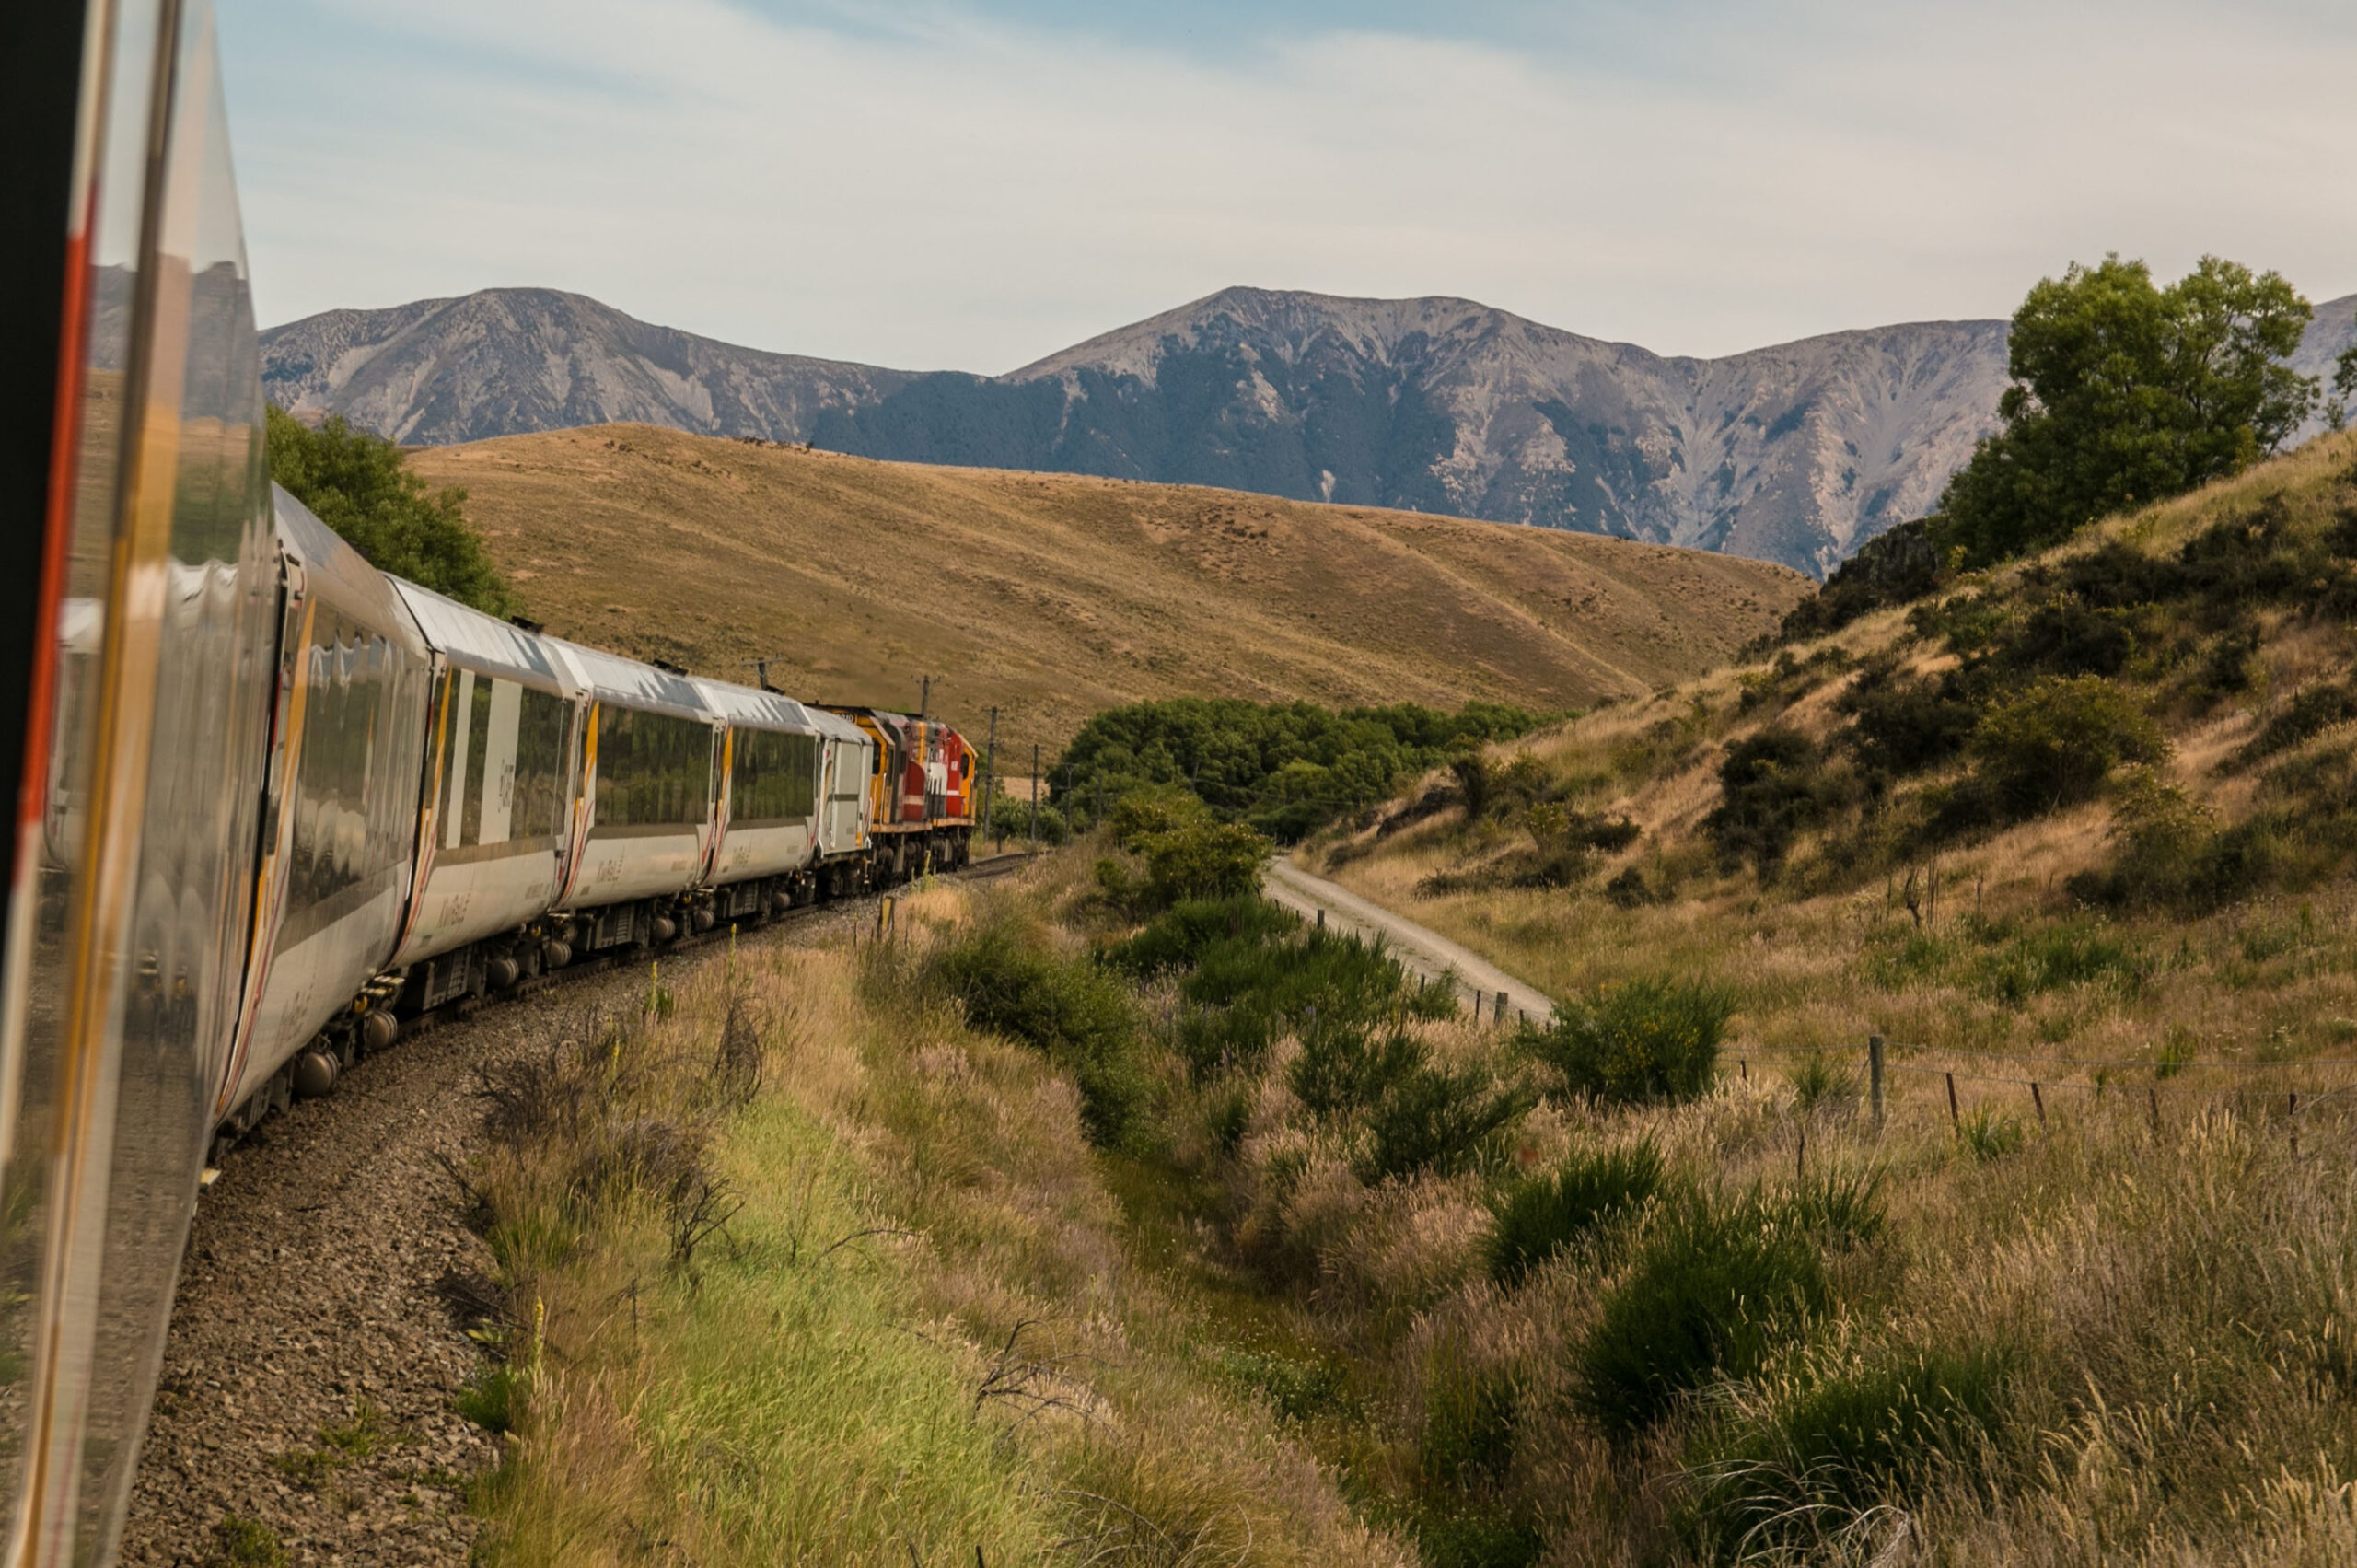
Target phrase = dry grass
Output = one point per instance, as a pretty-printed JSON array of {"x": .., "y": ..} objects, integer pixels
[
  {"x": 916, "y": 1336},
  {"x": 1055, "y": 596}
]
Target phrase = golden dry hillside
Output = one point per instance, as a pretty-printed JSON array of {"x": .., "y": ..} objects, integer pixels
[{"x": 1053, "y": 596}]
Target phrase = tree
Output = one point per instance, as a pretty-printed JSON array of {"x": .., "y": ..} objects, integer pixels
[
  {"x": 360, "y": 485},
  {"x": 2125, "y": 392},
  {"x": 2344, "y": 382}
]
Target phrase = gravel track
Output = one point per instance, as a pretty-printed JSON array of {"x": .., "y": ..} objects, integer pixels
[{"x": 314, "y": 1282}]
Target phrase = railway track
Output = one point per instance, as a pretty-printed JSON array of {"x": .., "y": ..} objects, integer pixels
[{"x": 315, "y": 1348}]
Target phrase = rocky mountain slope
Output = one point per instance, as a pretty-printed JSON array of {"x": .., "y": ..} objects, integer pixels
[
  {"x": 508, "y": 360},
  {"x": 1795, "y": 454}
]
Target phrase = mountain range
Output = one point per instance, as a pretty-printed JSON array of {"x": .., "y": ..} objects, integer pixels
[{"x": 1795, "y": 454}]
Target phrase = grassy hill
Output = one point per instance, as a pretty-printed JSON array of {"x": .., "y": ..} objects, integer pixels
[
  {"x": 1054, "y": 596},
  {"x": 1198, "y": 1236}
]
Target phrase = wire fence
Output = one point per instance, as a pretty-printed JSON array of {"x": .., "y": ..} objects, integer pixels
[{"x": 2182, "y": 1084}]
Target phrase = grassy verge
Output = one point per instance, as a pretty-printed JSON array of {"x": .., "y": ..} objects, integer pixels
[{"x": 800, "y": 1269}]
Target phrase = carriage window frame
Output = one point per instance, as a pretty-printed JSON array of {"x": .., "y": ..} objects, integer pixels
[
  {"x": 654, "y": 772},
  {"x": 773, "y": 778}
]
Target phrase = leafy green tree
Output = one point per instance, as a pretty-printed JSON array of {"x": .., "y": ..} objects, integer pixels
[
  {"x": 2126, "y": 392},
  {"x": 2344, "y": 382},
  {"x": 360, "y": 485},
  {"x": 1285, "y": 768}
]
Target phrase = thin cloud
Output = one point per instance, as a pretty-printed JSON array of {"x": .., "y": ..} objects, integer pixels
[{"x": 977, "y": 192}]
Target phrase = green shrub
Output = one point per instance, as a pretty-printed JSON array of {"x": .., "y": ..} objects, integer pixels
[
  {"x": 1178, "y": 937},
  {"x": 1081, "y": 1018},
  {"x": 1835, "y": 1204},
  {"x": 1769, "y": 789},
  {"x": 2056, "y": 743},
  {"x": 1202, "y": 860},
  {"x": 1817, "y": 1080},
  {"x": 1644, "y": 1039},
  {"x": 2056, "y": 957},
  {"x": 2311, "y": 713},
  {"x": 1536, "y": 1220},
  {"x": 1710, "y": 1292},
  {"x": 1438, "y": 1117},
  {"x": 1345, "y": 1069},
  {"x": 1146, "y": 813},
  {"x": 1987, "y": 1136},
  {"x": 240, "y": 1542},
  {"x": 1828, "y": 1451},
  {"x": 493, "y": 1398}
]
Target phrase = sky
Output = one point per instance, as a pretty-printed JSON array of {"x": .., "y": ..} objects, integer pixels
[{"x": 976, "y": 185}]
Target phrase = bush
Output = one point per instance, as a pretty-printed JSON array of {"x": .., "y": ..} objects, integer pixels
[
  {"x": 1826, "y": 1451},
  {"x": 1645, "y": 1039},
  {"x": 2056, "y": 743},
  {"x": 1987, "y": 1136},
  {"x": 1897, "y": 566},
  {"x": 1083, "y": 1020},
  {"x": 1438, "y": 1117},
  {"x": 1203, "y": 860},
  {"x": 1537, "y": 1220},
  {"x": 1837, "y": 1205},
  {"x": 2309, "y": 713},
  {"x": 1345, "y": 1069},
  {"x": 1770, "y": 791},
  {"x": 1710, "y": 1294},
  {"x": 1177, "y": 938},
  {"x": 1904, "y": 727}
]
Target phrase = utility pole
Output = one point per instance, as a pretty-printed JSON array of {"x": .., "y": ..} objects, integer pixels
[
  {"x": 990, "y": 772},
  {"x": 1032, "y": 838}
]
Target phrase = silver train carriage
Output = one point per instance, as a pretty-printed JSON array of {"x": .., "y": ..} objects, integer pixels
[{"x": 268, "y": 799}]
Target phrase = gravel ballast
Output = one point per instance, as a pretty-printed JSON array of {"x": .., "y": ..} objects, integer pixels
[{"x": 315, "y": 1351}]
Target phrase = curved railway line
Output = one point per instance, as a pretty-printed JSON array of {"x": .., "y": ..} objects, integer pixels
[{"x": 326, "y": 1285}]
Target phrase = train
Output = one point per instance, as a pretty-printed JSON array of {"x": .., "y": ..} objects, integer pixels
[{"x": 272, "y": 804}]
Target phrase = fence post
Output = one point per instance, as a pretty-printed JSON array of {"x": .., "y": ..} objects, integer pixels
[
  {"x": 2291, "y": 1114},
  {"x": 2038, "y": 1100},
  {"x": 1873, "y": 1076},
  {"x": 1321, "y": 917},
  {"x": 2153, "y": 1101},
  {"x": 1498, "y": 1016},
  {"x": 1955, "y": 1121}
]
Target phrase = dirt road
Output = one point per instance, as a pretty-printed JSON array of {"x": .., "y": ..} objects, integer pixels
[{"x": 1424, "y": 952}]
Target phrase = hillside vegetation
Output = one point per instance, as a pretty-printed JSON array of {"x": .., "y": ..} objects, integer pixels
[
  {"x": 2075, "y": 837},
  {"x": 1055, "y": 596}
]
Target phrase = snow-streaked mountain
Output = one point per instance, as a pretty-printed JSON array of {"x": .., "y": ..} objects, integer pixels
[
  {"x": 506, "y": 360},
  {"x": 1797, "y": 453}
]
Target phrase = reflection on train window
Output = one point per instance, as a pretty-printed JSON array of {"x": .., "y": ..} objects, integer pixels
[
  {"x": 652, "y": 768},
  {"x": 503, "y": 746},
  {"x": 541, "y": 723},
  {"x": 352, "y": 821},
  {"x": 772, "y": 777}
]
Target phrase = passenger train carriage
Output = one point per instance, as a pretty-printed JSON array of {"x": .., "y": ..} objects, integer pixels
[{"x": 273, "y": 803}]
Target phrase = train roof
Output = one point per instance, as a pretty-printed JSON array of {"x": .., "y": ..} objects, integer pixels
[
  {"x": 610, "y": 677},
  {"x": 745, "y": 705},
  {"x": 483, "y": 642},
  {"x": 334, "y": 571}
]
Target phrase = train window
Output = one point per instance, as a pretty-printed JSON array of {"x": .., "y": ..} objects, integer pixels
[
  {"x": 541, "y": 720},
  {"x": 504, "y": 750},
  {"x": 653, "y": 769},
  {"x": 348, "y": 827},
  {"x": 772, "y": 777}
]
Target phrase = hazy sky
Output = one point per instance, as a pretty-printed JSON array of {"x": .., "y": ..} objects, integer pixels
[{"x": 976, "y": 185}]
